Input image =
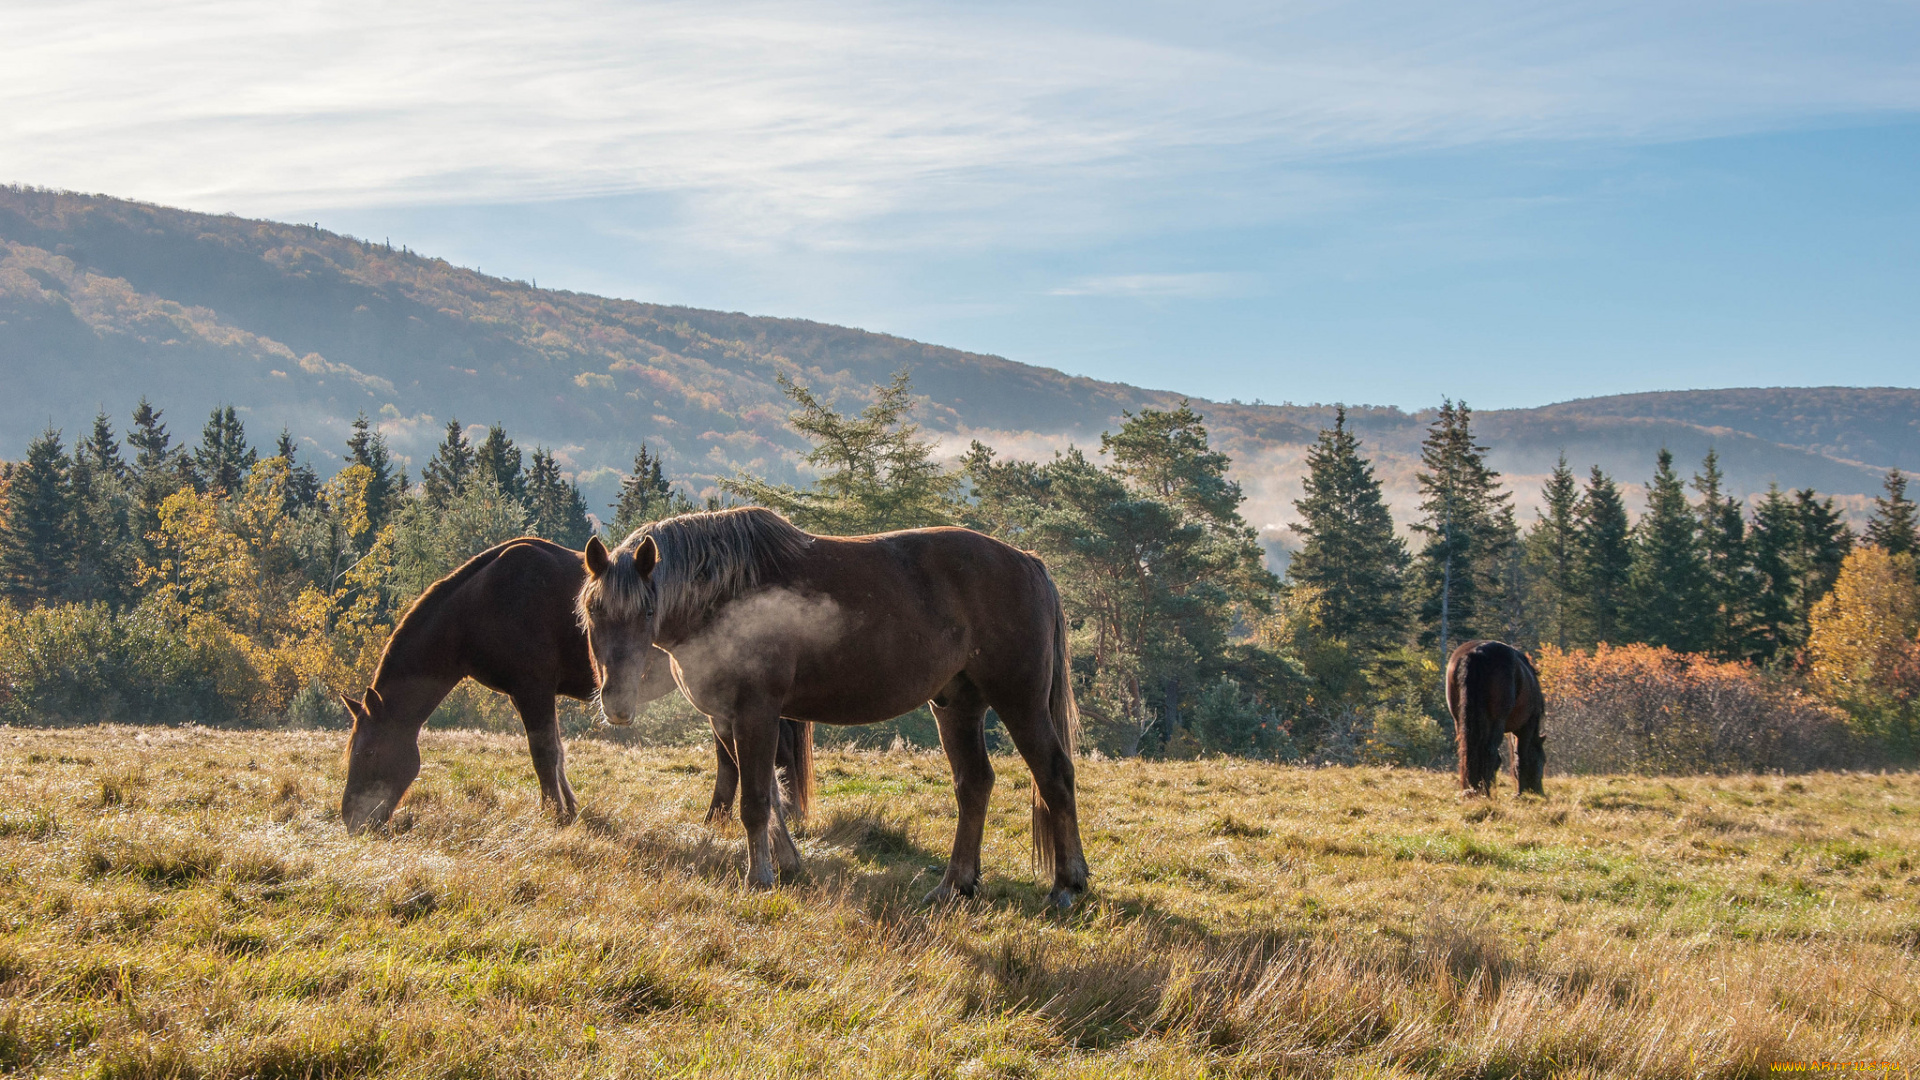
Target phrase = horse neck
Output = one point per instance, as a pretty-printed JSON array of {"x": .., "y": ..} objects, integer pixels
[{"x": 417, "y": 670}]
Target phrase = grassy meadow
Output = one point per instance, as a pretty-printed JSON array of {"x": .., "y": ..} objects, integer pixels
[{"x": 184, "y": 902}]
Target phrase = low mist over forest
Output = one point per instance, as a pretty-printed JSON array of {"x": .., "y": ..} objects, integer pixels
[{"x": 103, "y": 301}]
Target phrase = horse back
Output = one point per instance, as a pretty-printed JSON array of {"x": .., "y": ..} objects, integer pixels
[
  {"x": 504, "y": 618},
  {"x": 920, "y": 605},
  {"x": 1491, "y": 681}
]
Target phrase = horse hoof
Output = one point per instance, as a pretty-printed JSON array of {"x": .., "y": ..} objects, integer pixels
[
  {"x": 1062, "y": 899},
  {"x": 944, "y": 895}
]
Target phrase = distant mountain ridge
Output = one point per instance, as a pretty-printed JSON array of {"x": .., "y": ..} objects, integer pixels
[{"x": 103, "y": 300}]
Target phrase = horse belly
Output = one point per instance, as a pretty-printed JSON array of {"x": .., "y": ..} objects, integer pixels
[{"x": 872, "y": 678}]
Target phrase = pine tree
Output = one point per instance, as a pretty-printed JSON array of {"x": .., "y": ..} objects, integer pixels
[
  {"x": 1723, "y": 551},
  {"x": 367, "y": 446},
  {"x": 1553, "y": 557},
  {"x": 36, "y": 550},
  {"x": 223, "y": 460},
  {"x": 1605, "y": 559},
  {"x": 1459, "y": 568},
  {"x": 555, "y": 508},
  {"x": 1351, "y": 558},
  {"x": 303, "y": 484},
  {"x": 447, "y": 471},
  {"x": 645, "y": 496},
  {"x": 1668, "y": 585},
  {"x": 1893, "y": 527},
  {"x": 876, "y": 473},
  {"x": 1166, "y": 454},
  {"x": 105, "y": 536},
  {"x": 497, "y": 457}
]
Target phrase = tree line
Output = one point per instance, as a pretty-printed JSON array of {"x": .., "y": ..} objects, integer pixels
[{"x": 1184, "y": 641}]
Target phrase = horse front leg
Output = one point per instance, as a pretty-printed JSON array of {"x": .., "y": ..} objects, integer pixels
[
  {"x": 963, "y": 734},
  {"x": 549, "y": 752},
  {"x": 756, "y": 741}
]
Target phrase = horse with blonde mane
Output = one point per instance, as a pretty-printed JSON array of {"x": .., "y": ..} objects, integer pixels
[{"x": 762, "y": 620}]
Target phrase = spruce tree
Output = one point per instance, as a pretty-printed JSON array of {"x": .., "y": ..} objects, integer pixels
[
  {"x": 159, "y": 468},
  {"x": 1605, "y": 554},
  {"x": 1798, "y": 543},
  {"x": 303, "y": 483},
  {"x": 1553, "y": 557},
  {"x": 1458, "y": 571},
  {"x": 555, "y": 508},
  {"x": 447, "y": 471},
  {"x": 367, "y": 446},
  {"x": 1772, "y": 543},
  {"x": 1723, "y": 551},
  {"x": 1893, "y": 527},
  {"x": 1825, "y": 541},
  {"x": 223, "y": 460},
  {"x": 101, "y": 450},
  {"x": 1668, "y": 585},
  {"x": 1351, "y": 558},
  {"x": 645, "y": 496},
  {"x": 497, "y": 457},
  {"x": 36, "y": 548}
]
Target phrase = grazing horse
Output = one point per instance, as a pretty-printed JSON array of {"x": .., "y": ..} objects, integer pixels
[
  {"x": 1492, "y": 689},
  {"x": 762, "y": 620},
  {"x": 505, "y": 619}
]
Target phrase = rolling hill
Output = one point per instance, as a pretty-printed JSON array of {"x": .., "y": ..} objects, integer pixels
[{"x": 104, "y": 300}]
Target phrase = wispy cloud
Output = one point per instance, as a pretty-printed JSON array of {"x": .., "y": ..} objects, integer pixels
[
  {"x": 1180, "y": 286},
  {"x": 854, "y": 126}
]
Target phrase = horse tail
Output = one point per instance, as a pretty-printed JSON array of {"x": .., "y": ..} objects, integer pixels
[
  {"x": 1476, "y": 677},
  {"x": 1065, "y": 713},
  {"x": 796, "y": 746}
]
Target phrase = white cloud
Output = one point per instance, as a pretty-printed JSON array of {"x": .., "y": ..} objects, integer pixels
[
  {"x": 852, "y": 126},
  {"x": 1172, "y": 286}
]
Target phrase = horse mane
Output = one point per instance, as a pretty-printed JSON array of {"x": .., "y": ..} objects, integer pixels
[{"x": 705, "y": 558}]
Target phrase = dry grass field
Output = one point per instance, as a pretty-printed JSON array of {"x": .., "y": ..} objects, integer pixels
[{"x": 185, "y": 903}]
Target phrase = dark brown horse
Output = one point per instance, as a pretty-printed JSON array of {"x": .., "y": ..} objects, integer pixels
[
  {"x": 762, "y": 620},
  {"x": 1492, "y": 689},
  {"x": 506, "y": 620}
]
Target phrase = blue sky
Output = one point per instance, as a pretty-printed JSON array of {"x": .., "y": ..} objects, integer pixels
[{"x": 1382, "y": 203}]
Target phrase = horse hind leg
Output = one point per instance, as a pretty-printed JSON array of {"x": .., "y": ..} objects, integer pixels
[
  {"x": 1531, "y": 767},
  {"x": 1056, "y": 823},
  {"x": 963, "y": 734},
  {"x": 726, "y": 781}
]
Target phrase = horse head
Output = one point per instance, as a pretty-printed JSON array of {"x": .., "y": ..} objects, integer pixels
[
  {"x": 619, "y": 609},
  {"x": 383, "y": 759}
]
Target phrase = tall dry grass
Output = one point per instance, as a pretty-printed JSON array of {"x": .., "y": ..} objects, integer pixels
[{"x": 184, "y": 903}]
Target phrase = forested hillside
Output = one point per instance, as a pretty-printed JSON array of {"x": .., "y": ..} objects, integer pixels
[{"x": 103, "y": 301}]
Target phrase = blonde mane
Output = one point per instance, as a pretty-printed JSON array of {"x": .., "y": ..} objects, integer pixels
[{"x": 705, "y": 559}]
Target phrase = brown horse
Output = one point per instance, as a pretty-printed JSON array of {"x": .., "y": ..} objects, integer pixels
[
  {"x": 504, "y": 619},
  {"x": 1492, "y": 689},
  {"x": 762, "y": 620}
]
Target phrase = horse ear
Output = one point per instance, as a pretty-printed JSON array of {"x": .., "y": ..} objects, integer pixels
[
  {"x": 373, "y": 700},
  {"x": 354, "y": 708},
  {"x": 597, "y": 558},
  {"x": 646, "y": 557}
]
